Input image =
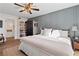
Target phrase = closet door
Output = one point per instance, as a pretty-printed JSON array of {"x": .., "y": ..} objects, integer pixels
[{"x": 29, "y": 28}]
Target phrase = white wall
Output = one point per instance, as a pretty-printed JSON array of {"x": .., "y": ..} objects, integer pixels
[
  {"x": 2, "y": 30},
  {"x": 6, "y": 18},
  {"x": 16, "y": 29},
  {"x": 15, "y": 21}
]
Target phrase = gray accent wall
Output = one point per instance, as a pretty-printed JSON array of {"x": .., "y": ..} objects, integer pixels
[{"x": 62, "y": 19}]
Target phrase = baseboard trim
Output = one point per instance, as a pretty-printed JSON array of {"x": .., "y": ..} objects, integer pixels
[{"x": 9, "y": 37}]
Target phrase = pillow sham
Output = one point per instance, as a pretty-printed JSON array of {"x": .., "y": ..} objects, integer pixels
[
  {"x": 47, "y": 32},
  {"x": 55, "y": 33},
  {"x": 59, "y": 33},
  {"x": 64, "y": 33},
  {"x": 42, "y": 32}
]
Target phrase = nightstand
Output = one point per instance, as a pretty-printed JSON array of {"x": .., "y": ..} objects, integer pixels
[{"x": 76, "y": 44}]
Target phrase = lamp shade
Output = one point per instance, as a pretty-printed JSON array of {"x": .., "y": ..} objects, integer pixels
[{"x": 74, "y": 28}]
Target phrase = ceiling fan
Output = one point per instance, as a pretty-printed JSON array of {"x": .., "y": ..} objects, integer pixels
[{"x": 27, "y": 7}]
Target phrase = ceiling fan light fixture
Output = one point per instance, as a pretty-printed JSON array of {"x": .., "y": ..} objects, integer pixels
[{"x": 27, "y": 7}]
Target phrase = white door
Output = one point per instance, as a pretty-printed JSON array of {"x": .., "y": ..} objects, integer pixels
[{"x": 9, "y": 28}]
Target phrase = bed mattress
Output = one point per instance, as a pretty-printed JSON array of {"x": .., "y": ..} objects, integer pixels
[{"x": 52, "y": 46}]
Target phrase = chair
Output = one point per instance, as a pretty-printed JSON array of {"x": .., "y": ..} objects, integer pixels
[{"x": 2, "y": 38}]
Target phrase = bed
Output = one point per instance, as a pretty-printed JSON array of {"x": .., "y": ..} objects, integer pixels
[{"x": 40, "y": 45}]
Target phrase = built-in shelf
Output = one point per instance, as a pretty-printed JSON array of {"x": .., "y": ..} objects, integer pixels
[{"x": 22, "y": 28}]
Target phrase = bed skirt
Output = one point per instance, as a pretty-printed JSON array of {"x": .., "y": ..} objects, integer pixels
[{"x": 32, "y": 50}]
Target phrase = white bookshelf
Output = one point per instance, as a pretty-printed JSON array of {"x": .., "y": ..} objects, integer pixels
[{"x": 22, "y": 28}]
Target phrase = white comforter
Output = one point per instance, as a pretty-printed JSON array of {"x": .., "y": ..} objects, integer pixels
[{"x": 55, "y": 46}]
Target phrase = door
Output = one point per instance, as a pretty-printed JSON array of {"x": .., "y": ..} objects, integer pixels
[
  {"x": 29, "y": 28},
  {"x": 9, "y": 28}
]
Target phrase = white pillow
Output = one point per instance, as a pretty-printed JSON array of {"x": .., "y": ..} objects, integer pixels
[
  {"x": 42, "y": 32},
  {"x": 64, "y": 33},
  {"x": 55, "y": 33},
  {"x": 47, "y": 32},
  {"x": 59, "y": 33}
]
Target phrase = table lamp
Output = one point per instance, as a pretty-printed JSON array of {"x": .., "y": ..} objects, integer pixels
[{"x": 74, "y": 29}]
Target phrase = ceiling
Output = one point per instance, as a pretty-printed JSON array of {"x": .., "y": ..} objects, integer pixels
[{"x": 11, "y": 9}]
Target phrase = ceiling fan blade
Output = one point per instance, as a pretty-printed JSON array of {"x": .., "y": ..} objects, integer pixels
[
  {"x": 18, "y": 5},
  {"x": 35, "y": 9},
  {"x": 30, "y": 4},
  {"x": 30, "y": 12},
  {"x": 21, "y": 10}
]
